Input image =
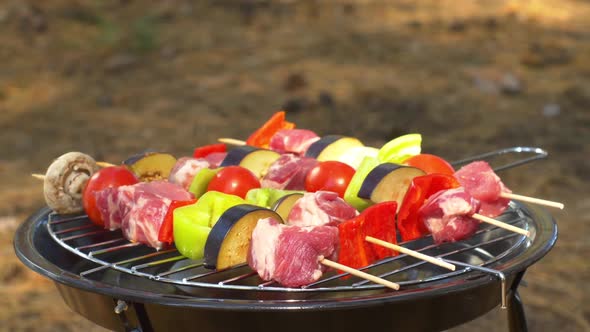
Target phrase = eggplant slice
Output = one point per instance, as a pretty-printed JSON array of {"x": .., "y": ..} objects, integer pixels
[
  {"x": 228, "y": 243},
  {"x": 388, "y": 182}
]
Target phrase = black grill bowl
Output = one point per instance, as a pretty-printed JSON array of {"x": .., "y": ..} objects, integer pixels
[{"x": 150, "y": 305}]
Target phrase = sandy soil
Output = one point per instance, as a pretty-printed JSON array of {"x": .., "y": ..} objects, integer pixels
[{"x": 113, "y": 78}]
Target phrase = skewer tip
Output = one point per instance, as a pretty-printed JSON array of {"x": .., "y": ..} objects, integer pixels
[
  {"x": 533, "y": 200},
  {"x": 231, "y": 141},
  {"x": 501, "y": 224},
  {"x": 104, "y": 164},
  {"x": 38, "y": 176}
]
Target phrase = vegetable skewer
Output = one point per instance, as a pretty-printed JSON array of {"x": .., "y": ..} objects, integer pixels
[
  {"x": 263, "y": 138},
  {"x": 516, "y": 197}
]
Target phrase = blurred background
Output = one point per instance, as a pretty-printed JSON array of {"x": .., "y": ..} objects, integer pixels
[{"x": 113, "y": 78}]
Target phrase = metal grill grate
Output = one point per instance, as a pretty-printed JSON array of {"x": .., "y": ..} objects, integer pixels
[{"x": 110, "y": 250}]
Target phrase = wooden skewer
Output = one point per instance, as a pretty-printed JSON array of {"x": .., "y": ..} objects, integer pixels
[
  {"x": 360, "y": 274},
  {"x": 99, "y": 163},
  {"x": 231, "y": 141},
  {"x": 38, "y": 176},
  {"x": 501, "y": 224},
  {"x": 104, "y": 164},
  {"x": 413, "y": 253},
  {"x": 532, "y": 200}
]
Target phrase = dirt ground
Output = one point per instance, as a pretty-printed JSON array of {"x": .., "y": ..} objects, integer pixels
[{"x": 113, "y": 78}]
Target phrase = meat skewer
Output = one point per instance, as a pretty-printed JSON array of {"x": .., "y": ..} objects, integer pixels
[
  {"x": 293, "y": 255},
  {"x": 480, "y": 181},
  {"x": 503, "y": 194}
]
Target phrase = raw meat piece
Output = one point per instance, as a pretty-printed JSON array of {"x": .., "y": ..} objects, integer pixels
[
  {"x": 215, "y": 159},
  {"x": 480, "y": 181},
  {"x": 295, "y": 141},
  {"x": 288, "y": 172},
  {"x": 320, "y": 208},
  {"x": 265, "y": 239},
  {"x": 139, "y": 209},
  {"x": 421, "y": 188},
  {"x": 447, "y": 215},
  {"x": 113, "y": 204},
  {"x": 291, "y": 255},
  {"x": 185, "y": 169}
]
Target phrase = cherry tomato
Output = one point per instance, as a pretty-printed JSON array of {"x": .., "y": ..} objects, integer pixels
[
  {"x": 430, "y": 164},
  {"x": 113, "y": 176},
  {"x": 330, "y": 176},
  {"x": 234, "y": 180}
]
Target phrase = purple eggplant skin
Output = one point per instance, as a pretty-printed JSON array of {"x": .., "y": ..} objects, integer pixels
[
  {"x": 318, "y": 146},
  {"x": 374, "y": 177},
  {"x": 244, "y": 216},
  {"x": 136, "y": 157},
  {"x": 284, "y": 204},
  {"x": 397, "y": 177},
  {"x": 236, "y": 155}
]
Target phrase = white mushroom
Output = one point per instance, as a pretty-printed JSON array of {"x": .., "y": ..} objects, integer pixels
[{"x": 65, "y": 180}]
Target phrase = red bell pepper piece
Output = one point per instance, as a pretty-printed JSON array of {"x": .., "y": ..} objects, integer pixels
[
  {"x": 261, "y": 137},
  {"x": 380, "y": 223},
  {"x": 166, "y": 233},
  {"x": 377, "y": 221},
  {"x": 420, "y": 189},
  {"x": 204, "y": 151},
  {"x": 352, "y": 251}
]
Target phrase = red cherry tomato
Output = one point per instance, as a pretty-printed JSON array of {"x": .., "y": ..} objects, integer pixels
[
  {"x": 114, "y": 176},
  {"x": 430, "y": 164},
  {"x": 234, "y": 180},
  {"x": 330, "y": 176}
]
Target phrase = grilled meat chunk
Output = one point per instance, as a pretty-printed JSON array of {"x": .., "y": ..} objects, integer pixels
[
  {"x": 447, "y": 215},
  {"x": 291, "y": 255},
  {"x": 139, "y": 209},
  {"x": 320, "y": 208},
  {"x": 480, "y": 181}
]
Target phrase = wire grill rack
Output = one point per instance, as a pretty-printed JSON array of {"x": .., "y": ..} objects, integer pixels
[{"x": 110, "y": 250}]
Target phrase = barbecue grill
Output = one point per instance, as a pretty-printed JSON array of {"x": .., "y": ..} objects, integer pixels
[{"x": 127, "y": 286}]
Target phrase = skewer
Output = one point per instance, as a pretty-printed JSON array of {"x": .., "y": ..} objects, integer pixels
[
  {"x": 501, "y": 224},
  {"x": 102, "y": 164},
  {"x": 38, "y": 176},
  {"x": 532, "y": 200},
  {"x": 231, "y": 141},
  {"x": 360, "y": 274},
  {"x": 413, "y": 253}
]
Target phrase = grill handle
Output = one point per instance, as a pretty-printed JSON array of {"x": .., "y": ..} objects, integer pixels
[
  {"x": 537, "y": 153},
  {"x": 498, "y": 274}
]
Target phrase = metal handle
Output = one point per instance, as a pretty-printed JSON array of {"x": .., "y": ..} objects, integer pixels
[
  {"x": 497, "y": 273},
  {"x": 538, "y": 153}
]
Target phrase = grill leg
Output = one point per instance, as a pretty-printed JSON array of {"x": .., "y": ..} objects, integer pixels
[{"x": 516, "y": 314}]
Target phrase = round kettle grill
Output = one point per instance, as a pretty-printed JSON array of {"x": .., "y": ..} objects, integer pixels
[{"x": 127, "y": 286}]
